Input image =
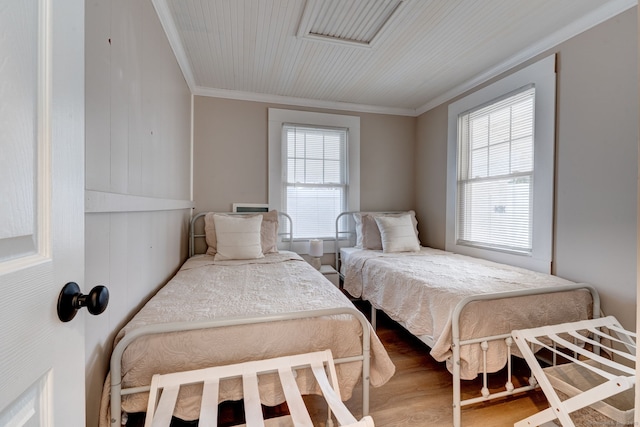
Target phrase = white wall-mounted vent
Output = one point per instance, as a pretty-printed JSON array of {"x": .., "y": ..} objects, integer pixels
[{"x": 360, "y": 23}]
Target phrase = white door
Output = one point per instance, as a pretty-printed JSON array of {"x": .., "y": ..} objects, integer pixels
[{"x": 41, "y": 210}]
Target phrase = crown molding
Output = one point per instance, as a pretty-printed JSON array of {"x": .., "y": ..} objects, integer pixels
[
  {"x": 168, "y": 24},
  {"x": 170, "y": 29},
  {"x": 605, "y": 12},
  {"x": 598, "y": 16},
  {"x": 302, "y": 102}
]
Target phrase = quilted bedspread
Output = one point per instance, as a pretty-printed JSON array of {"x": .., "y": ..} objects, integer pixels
[
  {"x": 421, "y": 289},
  {"x": 203, "y": 289}
]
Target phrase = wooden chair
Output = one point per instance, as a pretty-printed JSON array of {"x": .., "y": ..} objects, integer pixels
[
  {"x": 589, "y": 379},
  {"x": 164, "y": 392}
]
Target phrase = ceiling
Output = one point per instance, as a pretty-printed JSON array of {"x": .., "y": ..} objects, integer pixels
[{"x": 389, "y": 56}]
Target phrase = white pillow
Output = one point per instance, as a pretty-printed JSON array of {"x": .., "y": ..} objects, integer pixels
[
  {"x": 368, "y": 232},
  {"x": 268, "y": 232},
  {"x": 397, "y": 234},
  {"x": 238, "y": 237}
]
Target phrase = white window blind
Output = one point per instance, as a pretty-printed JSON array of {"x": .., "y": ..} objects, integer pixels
[
  {"x": 495, "y": 174},
  {"x": 315, "y": 182}
]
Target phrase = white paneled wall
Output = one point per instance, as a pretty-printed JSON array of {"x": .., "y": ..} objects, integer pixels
[
  {"x": 138, "y": 170},
  {"x": 136, "y": 101}
]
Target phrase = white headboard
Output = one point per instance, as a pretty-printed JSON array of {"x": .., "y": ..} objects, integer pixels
[
  {"x": 346, "y": 231},
  {"x": 197, "y": 243}
]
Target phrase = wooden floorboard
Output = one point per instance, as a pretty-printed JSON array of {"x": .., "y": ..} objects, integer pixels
[{"x": 419, "y": 394}]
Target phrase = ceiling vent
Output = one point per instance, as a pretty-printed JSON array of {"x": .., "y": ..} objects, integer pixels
[{"x": 360, "y": 23}]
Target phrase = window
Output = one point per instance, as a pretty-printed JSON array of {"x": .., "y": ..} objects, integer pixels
[
  {"x": 495, "y": 174},
  {"x": 500, "y": 169},
  {"x": 315, "y": 186},
  {"x": 314, "y": 170}
]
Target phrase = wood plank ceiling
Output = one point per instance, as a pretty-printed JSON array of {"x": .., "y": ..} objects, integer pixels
[{"x": 393, "y": 56}]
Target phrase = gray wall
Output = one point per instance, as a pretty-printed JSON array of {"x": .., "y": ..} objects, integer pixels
[
  {"x": 597, "y": 157},
  {"x": 596, "y": 164},
  {"x": 138, "y": 154},
  {"x": 231, "y": 164}
]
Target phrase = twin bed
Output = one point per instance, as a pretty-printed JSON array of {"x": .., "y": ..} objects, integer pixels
[
  {"x": 246, "y": 300},
  {"x": 463, "y": 308},
  {"x": 236, "y": 303}
]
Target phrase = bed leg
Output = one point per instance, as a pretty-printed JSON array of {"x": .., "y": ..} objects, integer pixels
[
  {"x": 509, "y": 384},
  {"x": 373, "y": 317},
  {"x": 457, "y": 410},
  {"x": 455, "y": 348},
  {"x": 485, "y": 388},
  {"x": 366, "y": 376},
  {"x": 366, "y": 364},
  {"x": 115, "y": 417}
]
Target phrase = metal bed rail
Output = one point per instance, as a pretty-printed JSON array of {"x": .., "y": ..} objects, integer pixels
[
  {"x": 458, "y": 343},
  {"x": 349, "y": 235},
  {"x": 485, "y": 395},
  {"x": 116, "y": 358},
  {"x": 284, "y": 231}
]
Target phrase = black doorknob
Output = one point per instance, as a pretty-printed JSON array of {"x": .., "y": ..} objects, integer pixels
[{"x": 71, "y": 300}]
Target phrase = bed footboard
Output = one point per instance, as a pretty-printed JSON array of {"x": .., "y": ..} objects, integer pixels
[
  {"x": 457, "y": 343},
  {"x": 116, "y": 358}
]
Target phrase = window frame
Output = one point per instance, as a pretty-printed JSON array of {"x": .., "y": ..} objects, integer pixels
[
  {"x": 277, "y": 160},
  {"x": 467, "y": 178},
  {"x": 292, "y": 183},
  {"x": 542, "y": 75}
]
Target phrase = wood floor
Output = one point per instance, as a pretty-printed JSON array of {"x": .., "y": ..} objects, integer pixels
[{"x": 419, "y": 394}]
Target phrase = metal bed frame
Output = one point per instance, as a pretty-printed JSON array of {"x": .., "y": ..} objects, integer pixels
[
  {"x": 116, "y": 358},
  {"x": 457, "y": 343}
]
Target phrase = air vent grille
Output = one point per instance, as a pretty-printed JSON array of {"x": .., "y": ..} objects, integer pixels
[{"x": 356, "y": 22}]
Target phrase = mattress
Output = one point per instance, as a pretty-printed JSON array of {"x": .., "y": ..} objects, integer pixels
[
  {"x": 421, "y": 289},
  {"x": 203, "y": 289},
  {"x": 344, "y": 258}
]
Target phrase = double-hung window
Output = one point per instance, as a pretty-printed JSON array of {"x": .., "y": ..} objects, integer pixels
[
  {"x": 500, "y": 164},
  {"x": 495, "y": 174},
  {"x": 315, "y": 185},
  {"x": 314, "y": 171}
]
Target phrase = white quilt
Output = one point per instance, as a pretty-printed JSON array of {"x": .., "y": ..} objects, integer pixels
[
  {"x": 204, "y": 289},
  {"x": 421, "y": 289}
]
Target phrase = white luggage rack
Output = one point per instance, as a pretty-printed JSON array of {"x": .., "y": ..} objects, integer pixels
[
  {"x": 600, "y": 374},
  {"x": 161, "y": 404}
]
